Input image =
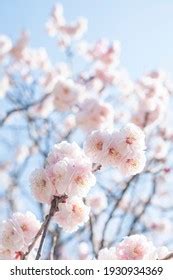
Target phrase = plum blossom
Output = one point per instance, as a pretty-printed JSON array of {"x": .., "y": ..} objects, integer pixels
[
  {"x": 98, "y": 105},
  {"x": 160, "y": 148},
  {"x": 68, "y": 171},
  {"x": 71, "y": 177},
  {"x": 107, "y": 75},
  {"x": 56, "y": 20},
  {"x": 103, "y": 51},
  {"x": 65, "y": 150},
  {"x": 134, "y": 247},
  {"x": 131, "y": 138},
  {"x": 50, "y": 77},
  {"x": 74, "y": 30},
  {"x": 66, "y": 94},
  {"x": 97, "y": 201},
  {"x": 153, "y": 97},
  {"x": 95, "y": 145},
  {"x": 57, "y": 26},
  {"x": 6, "y": 254},
  {"x": 94, "y": 114},
  {"x": 41, "y": 187},
  {"x": 28, "y": 224},
  {"x": 19, "y": 47},
  {"x": 123, "y": 149},
  {"x": 11, "y": 237},
  {"x": 132, "y": 164},
  {"x": 36, "y": 58},
  {"x": 72, "y": 214},
  {"x": 16, "y": 234}
]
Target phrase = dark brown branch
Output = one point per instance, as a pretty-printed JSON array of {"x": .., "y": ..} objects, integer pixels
[
  {"x": 53, "y": 209},
  {"x": 168, "y": 257}
]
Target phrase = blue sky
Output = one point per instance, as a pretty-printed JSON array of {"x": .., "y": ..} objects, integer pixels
[{"x": 143, "y": 27}]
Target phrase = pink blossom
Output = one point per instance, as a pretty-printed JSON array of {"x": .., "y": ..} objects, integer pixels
[
  {"x": 16, "y": 235},
  {"x": 36, "y": 58},
  {"x": 65, "y": 150},
  {"x": 6, "y": 254},
  {"x": 29, "y": 225},
  {"x": 11, "y": 237},
  {"x": 97, "y": 202},
  {"x": 123, "y": 149},
  {"x": 72, "y": 177},
  {"x": 50, "y": 78},
  {"x": 130, "y": 139},
  {"x": 68, "y": 171},
  {"x": 94, "y": 114},
  {"x": 132, "y": 164},
  {"x": 57, "y": 176},
  {"x": 72, "y": 214},
  {"x": 56, "y": 20},
  {"x": 41, "y": 187},
  {"x": 81, "y": 178},
  {"x": 160, "y": 148},
  {"x": 113, "y": 154},
  {"x": 74, "y": 30},
  {"x": 106, "y": 74},
  {"x": 66, "y": 94},
  {"x": 19, "y": 47},
  {"x": 103, "y": 51},
  {"x": 134, "y": 247},
  {"x": 149, "y": 119},
  {"x": 57, "y": 25},
  {"x": 153, "y": 99},
  {"x": 95, "y": 145}
]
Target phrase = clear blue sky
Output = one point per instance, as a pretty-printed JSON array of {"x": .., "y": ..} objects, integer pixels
[{"x": 145, "y": 27}]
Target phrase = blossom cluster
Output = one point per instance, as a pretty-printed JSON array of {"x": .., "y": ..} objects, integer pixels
[
  {"x": 57, "y": 26},
  {"x": 67, "y": 94},
  {"x": 123, "y": 149},
  {"x": 68, "y": 171},
  {"x": 134, "y": 247},
  {"x": 101, "y": 51},
  {"x": 16, "y": 234},
  {"x": 153, "y": 91},
  {"x": 94, "y": 114},
  {"x": 56, "y": 100}
]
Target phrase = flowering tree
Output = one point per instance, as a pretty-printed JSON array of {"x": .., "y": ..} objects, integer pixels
[{"x": 96, "y": 145}]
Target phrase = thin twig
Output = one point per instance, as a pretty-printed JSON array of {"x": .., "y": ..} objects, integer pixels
[
  {"x": 168, "y": 257},
  {"x": 113, "y": 210}
]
